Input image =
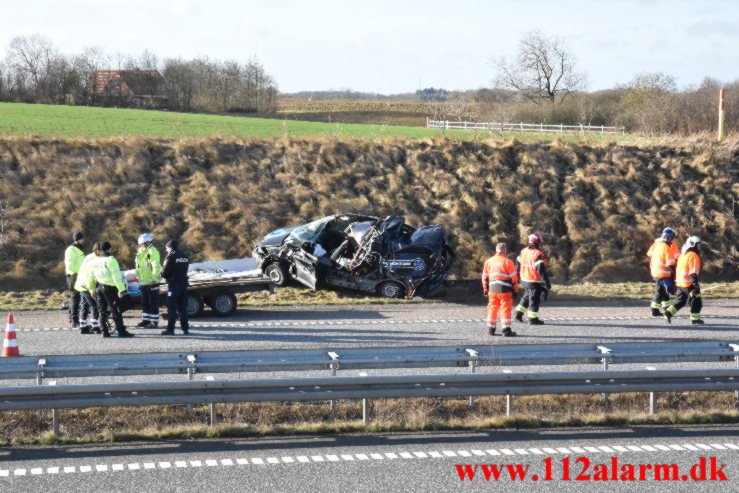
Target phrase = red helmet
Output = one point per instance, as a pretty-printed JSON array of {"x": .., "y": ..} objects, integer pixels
[{"x": 534, "y": 238}]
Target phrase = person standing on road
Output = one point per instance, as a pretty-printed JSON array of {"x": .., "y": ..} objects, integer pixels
[
  {"x": 148, "y": 271},
  {"x": 663, "y": 255},
  {"x": 88, "y": 306},
  {"x": 532, "y": 269},
  {"x": 174, "y": 271},
  {"x": 688, "y": 288},
  {"x": 107, "y": 277},
  {"x": 73, "y": 257},
  {"x": 499, "y": 283}
]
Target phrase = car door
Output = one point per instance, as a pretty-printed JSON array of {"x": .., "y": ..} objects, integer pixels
[{"x": 305, "y": 268}]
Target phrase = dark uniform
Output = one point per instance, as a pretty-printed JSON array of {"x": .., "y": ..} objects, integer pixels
[{"x": 174, "y": 271}]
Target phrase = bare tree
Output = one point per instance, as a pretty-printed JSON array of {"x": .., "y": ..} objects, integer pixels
[
  {"x": 32, "y": 57},
  {"x": 544, "y": 69}
]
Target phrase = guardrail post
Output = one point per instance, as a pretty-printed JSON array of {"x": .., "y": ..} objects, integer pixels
[
  {"x": 333, "y": 356},
  {"x": 652, "y": 395},
  {"x": 735, "y": 348},
  {"x": 606, "y": 359},
  {"x": 508, "y": 404},
  {"x": 213, "y": 409},
  {"x": 472, "y": 363},
  {"x": 54, "y": 415},
  {"x": 192, "y": 359},
  {"x": 365, "y": 406}
]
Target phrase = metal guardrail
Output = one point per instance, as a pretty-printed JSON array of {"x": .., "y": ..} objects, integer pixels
[
  {"x": 70, "y": 366},
  {"x": 524, "y": 127},
  {"x": 394, "y": 386}
]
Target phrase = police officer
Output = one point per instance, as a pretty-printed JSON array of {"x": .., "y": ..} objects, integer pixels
[
  {"x": 174, "y": 271},
  {"x": 148, "y": 272},
  {"x": 107, "y": 276},
  {"x": 73, "y": 257},
  {"x": 88, "y": 306}
]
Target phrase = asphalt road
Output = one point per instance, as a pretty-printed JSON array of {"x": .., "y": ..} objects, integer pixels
[
  {"x": 395, "y": 462},
  {"x": 46, "y": 332}
]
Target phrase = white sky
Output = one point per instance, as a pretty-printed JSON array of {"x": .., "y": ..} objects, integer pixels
[{"x": 396, "y": 46}]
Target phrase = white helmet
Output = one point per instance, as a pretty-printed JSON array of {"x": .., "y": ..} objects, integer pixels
[
  {"x": 145, "y": 238},
  {"x": 691, "y": 242}
]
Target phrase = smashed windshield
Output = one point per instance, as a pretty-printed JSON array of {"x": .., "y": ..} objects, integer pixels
[{"x": 310, "y": 231}]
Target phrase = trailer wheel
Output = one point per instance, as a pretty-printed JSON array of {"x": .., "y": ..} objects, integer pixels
[
  {"x": 223, "y": 303},
  {"x": 276, "y": 273},
  {"x": 390, "y": 289},
  {"x": 195, "y": 305}
]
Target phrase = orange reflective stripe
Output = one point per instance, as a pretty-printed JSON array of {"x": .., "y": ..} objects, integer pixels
[
  {"x": 661, "y": 259},
  {"x": 499, "y": 269}
]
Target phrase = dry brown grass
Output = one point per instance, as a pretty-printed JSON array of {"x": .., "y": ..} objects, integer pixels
[
  {"x": 162, "y": 422},
  {"x": 599, "y": 206}
]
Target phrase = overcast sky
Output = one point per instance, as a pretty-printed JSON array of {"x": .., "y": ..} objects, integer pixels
[{"x": 391, "y": 46}]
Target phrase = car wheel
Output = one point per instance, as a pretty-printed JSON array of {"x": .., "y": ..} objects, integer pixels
[
  {"x": 391, "y": 289},
  {"x": 195, "y": 305},
  {"x": 223, "y": 304},
  {"x": 276, "y": 273}
]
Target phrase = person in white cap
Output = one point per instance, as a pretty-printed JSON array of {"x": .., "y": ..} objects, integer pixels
[{"x": 149, "y": 273}]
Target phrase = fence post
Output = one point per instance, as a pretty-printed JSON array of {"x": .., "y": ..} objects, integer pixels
[
  {"x": 735, "y": 348},
  {"x": 721, "y": 106},
  {"x": 606, "y": 352},
  {"x": 192, "y": 359},
  {"x": 652, "y": 396},
  {"x": 521, "y": 123},
  {"x": 508, "y": 404},
  {"x": 472, "y": 363},
  {"x": 333, "y": 356}
]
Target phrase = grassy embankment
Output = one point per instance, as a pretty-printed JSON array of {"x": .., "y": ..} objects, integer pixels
[
  {"x": 264, "y": 419},
  {"x": 18, "y": 119}
]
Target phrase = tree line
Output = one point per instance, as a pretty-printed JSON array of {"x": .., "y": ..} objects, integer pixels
[{"x": 35, "y": 71}]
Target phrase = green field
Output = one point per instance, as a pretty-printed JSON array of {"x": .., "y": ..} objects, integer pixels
[{"x": 17, "y": 119}]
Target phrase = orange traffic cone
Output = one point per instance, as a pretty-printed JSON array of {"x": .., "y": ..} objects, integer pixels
[{"x": 10, "y": 344}]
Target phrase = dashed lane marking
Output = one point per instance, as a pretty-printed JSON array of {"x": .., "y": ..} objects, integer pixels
[
  {"x": 320, "y": 323},
  {"x": 416, "y": 455}
]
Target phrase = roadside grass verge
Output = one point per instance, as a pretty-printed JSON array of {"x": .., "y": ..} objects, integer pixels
[
  {"x": 388, "y": 415},
  {"x": 52, "y": 299}
]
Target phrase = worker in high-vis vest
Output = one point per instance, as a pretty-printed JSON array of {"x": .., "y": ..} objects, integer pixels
[
  {"x": 663, "y": 255},
  {"x": 73, "y": 257},
  {"x": 149, "y": 274},
  {"x": 500, "y": 283},
  {"x": 688, "y": 288},
  {"x": 88, "y": 306},
  {"x": 109, "y": 284},
  {"x": 532, "y": 273}
]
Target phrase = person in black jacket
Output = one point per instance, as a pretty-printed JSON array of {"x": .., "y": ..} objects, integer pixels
[{"x": 174, "y": 271}]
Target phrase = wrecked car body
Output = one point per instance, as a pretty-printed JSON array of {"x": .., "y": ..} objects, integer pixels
[{"x": 365, "y": 253}]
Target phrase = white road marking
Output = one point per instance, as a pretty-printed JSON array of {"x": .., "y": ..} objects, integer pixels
[
  {"x": 536, "y": 451},
  {"x": 379, "y": 456},
  {"x": 347, "y": 457},
  {"x": 620, "y": 448},
  {"x": 52, "y": 470},
  {"x": 731, "y": 446},
  {"x": 227, "y": 462},
  {"x": 37, "y": 470},
  {"x": 165, "y": 465},
  {"x": 634, "y": 448},
  {"x": 478, "y": 452},
  {"x": 4, "y": 473},
  {"x": 648, "y": 448},
  {"x": 718, "y": 446},
  {"x": 149, "y": 465},
  {"x": 663, "y": 447},
  {"x": 449, "y": 453},
  {"x": 549, "y": 450},
  {"x": 332, "y": 458},
  {"x": 180, "y": 463},
  {"x": 492, "y": 451},
  {"x": 70, "y": 469},
  {"x": 117, "y": 467},
  {"x": 85, "y": 468},
  {"x": 101, "y": 468},
  {"x": 196, "y": 463},
  {"x": 464, "y": 453},
  {"x": 591, "y": 449},
  {"x": 605, "y": 448},
  {"x": 362, "y": 457},
  {"x": 245, "y": 462},
  {"x": 521, "y": 451},
  {"x": 420, "y": 455},
  {"x": 563, "y": 450},
  {"x": 675, "y": 447},
  {"x": 391, "y": 455},
  {"x": 577, "y": 450},
  {"x": 270, "y": 460},
  {"x": 19, "y": 472},
  {"x": 317, "y": 458},
  {"x": 286, "y": 460},
  {"x": 507, "y": 451}
]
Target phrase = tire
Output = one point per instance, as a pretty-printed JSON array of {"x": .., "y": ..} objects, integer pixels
[
  {"x": 276, "y": 273},
  {"x": 391, "y": 289},
  {"x": 223, "y": 303},
  {"x": 195, "y": 305}
]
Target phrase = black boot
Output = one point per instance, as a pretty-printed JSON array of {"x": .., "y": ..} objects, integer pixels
[
  {"x": 697, "y": 322},
  {"x": 535, "y": 321},
  {"x": 507, "y": 332},
  {"x": 122, "y": 332},
  {"x": 166, "y": 332},
  {"x": 656, "y": 312},
  {"x": 519, "y": 316},
  {"x": 491, "y": 331}
]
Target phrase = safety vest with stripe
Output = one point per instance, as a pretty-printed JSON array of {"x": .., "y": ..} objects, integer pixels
[
  {"x": 688, "y": 265},
  {"x": 83, "y": 277},
  {"x": 499, "y": 275},
  {"x": 529, "y": 259},
  {"x": 148, "y": 266},
  {"x": 661, "y": 258},
  {"x": 105, "y": 270},
  {"x": 73, "y": 257}
]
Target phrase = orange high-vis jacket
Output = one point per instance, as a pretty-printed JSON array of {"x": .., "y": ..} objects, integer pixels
[
  {"x": 661, "y": 258},
  {"x": 528, "y": 261},
  {"x": 688, "y": 265},
  {"x": 499, "y": 275}
]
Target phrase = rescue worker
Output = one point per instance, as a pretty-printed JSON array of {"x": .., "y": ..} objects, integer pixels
[
  {"x": 532, "y": 273},
  {"x": 73, "y": 257},
  {"x": 688, "y": 288},
  {"x": 499, "y": 283},
  {"x": 148, "y": 271},
  {"x": 107, "y": 279},
  {"x": 88, "y": 306},
  {"x": 663, "y": 255},
  {"x": 174, "y": 271}
]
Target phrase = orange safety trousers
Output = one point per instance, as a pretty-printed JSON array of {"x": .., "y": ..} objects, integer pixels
[{"x": 500, "y": 301}]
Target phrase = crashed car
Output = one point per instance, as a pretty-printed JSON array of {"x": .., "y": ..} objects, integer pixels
[{"x": 365, "y": 253}]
